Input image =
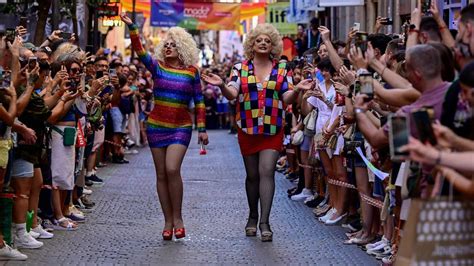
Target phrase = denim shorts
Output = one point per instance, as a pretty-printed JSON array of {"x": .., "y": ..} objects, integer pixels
[
  {"x": 306, "y": 142},
  {"x": 118, "y": 120},
  {"x": 22, "y": 169}
]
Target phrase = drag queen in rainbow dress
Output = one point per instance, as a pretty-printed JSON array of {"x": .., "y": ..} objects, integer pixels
[{"x": 169, "y": 125}]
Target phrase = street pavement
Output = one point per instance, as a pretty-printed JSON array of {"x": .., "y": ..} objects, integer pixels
[{"x": 125, "y": 227}]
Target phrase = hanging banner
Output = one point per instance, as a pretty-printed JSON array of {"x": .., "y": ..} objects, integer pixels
[
  {"x": 330, "y": 3},
  {"x": 195, "y": 15},
  {"x": 276, "y": 15}
]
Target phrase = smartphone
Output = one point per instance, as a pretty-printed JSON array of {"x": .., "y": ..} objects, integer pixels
[
  {"x": 398, "y": 136},
  {"x": 99, "y": 74},
  {"x": 10, "y": 35},
  {"x": 309, "y": 59},
  {"x": 106, "y": 90},
  {"x": 23, "y": 22},
  {"x": 367, "y": 85},
  {"x": 422, "y": 120},
  {"x": 32, "y": 62},
  {"x": 113, "y": 72},
  {"x": 386, "y": 21},
  {"x": 356, "y": 26},
  {"x": 361, "y": 40},
  {"x": 425, "y": 6},
  {"x": 72, "y": 85},
  {"x": 66, "y": 35}
]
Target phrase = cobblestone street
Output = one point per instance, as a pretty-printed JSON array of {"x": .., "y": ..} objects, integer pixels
[{"x": 125, "y": 227}]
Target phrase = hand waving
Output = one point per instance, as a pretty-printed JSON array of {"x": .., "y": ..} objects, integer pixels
[
  {"x": 212, "y": 79},
  {"x": 126, "y": 19}
]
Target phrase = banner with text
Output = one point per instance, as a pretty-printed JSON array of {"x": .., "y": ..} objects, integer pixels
[
  {"x": 195, "y": 15},
  {"x": 330, "y": 3},
  {"x": 277, "y": 16}
]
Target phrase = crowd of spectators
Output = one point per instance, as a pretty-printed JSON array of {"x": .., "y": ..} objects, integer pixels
[
  {"x": 63, "y": 114},
  {"x": 386, "y": 118}
]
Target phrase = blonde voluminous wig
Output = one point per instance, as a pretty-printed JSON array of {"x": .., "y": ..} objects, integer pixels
[
  {"x": 265, "y": 29},
  {"x": 188, "y": 53}
]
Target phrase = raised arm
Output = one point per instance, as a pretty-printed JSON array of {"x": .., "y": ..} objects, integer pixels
[
  {"x": 137, "y": 46},
  {"x": 336, "y": 61}
]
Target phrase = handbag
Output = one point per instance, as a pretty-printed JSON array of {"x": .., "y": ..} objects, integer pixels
[
  {"x": 310, "y": 123},
  {"x": 69, "y": 135},
  {"x": 298, "y": 138},
  {"x": 331, "y": 143}
]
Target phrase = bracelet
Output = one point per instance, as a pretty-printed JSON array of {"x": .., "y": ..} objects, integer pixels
[
  {"x": 349, "y": 95},
  {"x": 49, "y": 40},
  {"x": 414, "y": 30},
  {"x": 438, "y": 159},
  {"x": 62, "y": 99},
  {"x": 443, "y": 28}
]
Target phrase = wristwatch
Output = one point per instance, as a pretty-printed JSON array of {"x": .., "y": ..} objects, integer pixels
[{"x": 359, "y": 110}]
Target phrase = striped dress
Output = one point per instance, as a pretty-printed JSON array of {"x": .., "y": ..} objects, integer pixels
[{"x": 170, "y": 121}]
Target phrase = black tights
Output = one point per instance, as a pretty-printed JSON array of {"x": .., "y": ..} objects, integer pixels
[{"x": 260, "y": 184}]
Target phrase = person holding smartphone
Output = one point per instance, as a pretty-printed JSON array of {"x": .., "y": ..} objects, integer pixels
[{"x": 169, "y": 125}]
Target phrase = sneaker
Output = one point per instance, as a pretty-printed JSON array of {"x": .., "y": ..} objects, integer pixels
[
  {"x": 34, "y": 234},
  {"x": 86, "y": 191},
  {"x": 9, "y": 253},
  {"x": 129, "y": 143},
  {"x": 95, "y": 179},
  {"x": 352, "y": 222},
  {"x": 388, "y": 260},
  {"x": 321, "y": 210},
  {"x": 43, "y": 234},
  {"x": 303, "y": 195},
  {"x": 377, "y": 245},
  {"x": 382, "y": 252},
  {"x": 127, "y": 151},
  {"x": 26, "y": 241}
]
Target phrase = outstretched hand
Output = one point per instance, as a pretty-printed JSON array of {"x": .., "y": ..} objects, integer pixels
[
  {"x": 126, "y": 19},
  {"x": 212, "y": 79}
]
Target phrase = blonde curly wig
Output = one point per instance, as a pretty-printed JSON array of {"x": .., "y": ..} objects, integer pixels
[
  {"x": 188, "y": 53},
  {"x": 265, "y": 29}
]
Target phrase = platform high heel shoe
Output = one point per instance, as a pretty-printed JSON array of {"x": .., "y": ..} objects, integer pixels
[
  {"x": 266, "y": 233},
  {"x": 251, "y": 227},
  {"x": 167, "y": 235},
  {"x": 179, "y": 233}
]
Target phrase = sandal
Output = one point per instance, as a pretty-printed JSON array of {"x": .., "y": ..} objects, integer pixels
[{"x": 64, "y": 224}]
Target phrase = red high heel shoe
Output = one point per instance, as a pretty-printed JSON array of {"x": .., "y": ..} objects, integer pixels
[
  {"x": 179, "y": 233},
  {"x": 167, "y": 235}
]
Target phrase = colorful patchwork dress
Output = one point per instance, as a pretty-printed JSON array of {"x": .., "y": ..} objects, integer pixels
[
  {"x": 170, "y": 121},
  {"x": 260, "y": 108}
]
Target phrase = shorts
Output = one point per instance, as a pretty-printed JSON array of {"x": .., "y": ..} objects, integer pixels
[
  {"x": 22, "y": 169},
  {"x": 118, "y": 120},
  {"x": 306, "y": 143},
  {"x": 5, "y": 146},
  {"x": 99, "y": 137}
]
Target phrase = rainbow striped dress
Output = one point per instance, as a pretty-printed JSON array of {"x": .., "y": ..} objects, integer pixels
[{"x": 170, "y": 121}]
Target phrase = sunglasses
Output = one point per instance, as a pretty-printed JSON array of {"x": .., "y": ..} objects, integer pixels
[{"x": 74, "y": 70}]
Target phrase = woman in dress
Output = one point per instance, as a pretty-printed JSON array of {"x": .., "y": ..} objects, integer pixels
[
  {"x": 262, "y": 87},
  {"x": 169, "y": 125}
]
